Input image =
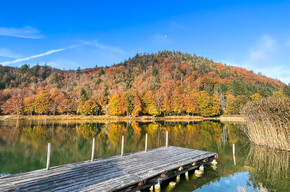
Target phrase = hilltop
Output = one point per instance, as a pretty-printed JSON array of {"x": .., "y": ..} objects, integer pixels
[{"x": 163, "y": 83}]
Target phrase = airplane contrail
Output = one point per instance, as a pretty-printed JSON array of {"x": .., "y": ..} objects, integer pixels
[{"x": 39, "y": 55}]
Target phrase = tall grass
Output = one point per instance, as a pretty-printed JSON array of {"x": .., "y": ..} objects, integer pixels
[{"x": 268, "y": 122}]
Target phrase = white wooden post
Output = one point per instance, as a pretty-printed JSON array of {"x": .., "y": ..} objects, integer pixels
[
  {"x": 234, "y": 154},
  {"x": 166, "y": 139},
  {"x": 146, "y": 139},
  {"x": 48, "y": 156},
  {"x": 122, "y": 148},
  {"x": 93, "y": 150}
]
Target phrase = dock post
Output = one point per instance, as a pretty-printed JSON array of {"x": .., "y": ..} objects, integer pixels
[
  {"x": 177, "y": 178},
  {"x": 186, "y": 175},
  {"x": 122, "y": 148},
  {"x": 234, "y": 154},
  {"x": 166, "y": 139},
  {"x": 93, "y": 150},
  {"x": 48, "y": 156},
  {"x": 146, "y": 139},
  {"x": 157, "y": 186}
]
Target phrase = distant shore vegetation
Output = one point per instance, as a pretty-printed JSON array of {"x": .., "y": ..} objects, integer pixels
[{"x": 162, "y": 84}]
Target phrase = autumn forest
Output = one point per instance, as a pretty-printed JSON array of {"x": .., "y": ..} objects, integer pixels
[{"x": 159, "y": 84}]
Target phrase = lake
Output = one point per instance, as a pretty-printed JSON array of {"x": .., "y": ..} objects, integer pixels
[{"x": 23, "y": 146}]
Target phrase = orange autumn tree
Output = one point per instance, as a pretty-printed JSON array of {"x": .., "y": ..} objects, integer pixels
[
  {"x": 150, "y": 106},
  {"x": 256, "y": 97},
  {"x": 178, "y": 101},
  {"x": 62, "y": 104},
  {"x": 230, "y": 99},
  {"x": 118, "y": 104},
  {"x": 29, "y": 106},
  {"x": 14, "y": 105},
  {"x": 166, "y": 79},
  {"x": 89, "y": 107},
  {"x": 41, "y": 103},
  {"x": 54, "y": 101},
  {"x": 191, "y": 102},
  {"x": 137, "y": 105},
  {"x": 208, "y": 105},
  {"x": 278, "y": 94}
]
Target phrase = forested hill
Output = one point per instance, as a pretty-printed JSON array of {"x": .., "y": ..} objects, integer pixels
[{"x": 165, "y": 83}]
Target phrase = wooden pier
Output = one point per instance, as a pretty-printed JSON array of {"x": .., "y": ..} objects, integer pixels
[{"x": 130, "y": 172}]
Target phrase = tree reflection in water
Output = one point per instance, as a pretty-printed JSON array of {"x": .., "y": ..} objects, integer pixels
[{"x": 23, "y": 147}]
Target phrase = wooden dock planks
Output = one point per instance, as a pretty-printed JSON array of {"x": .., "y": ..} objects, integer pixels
[{"x": 106, "y": 174}]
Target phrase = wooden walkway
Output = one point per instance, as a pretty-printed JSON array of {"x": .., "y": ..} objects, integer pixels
[{"x": 129, "y": 172}]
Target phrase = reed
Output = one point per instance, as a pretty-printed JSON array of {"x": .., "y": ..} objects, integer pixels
[{"x": 268, "y": 122}]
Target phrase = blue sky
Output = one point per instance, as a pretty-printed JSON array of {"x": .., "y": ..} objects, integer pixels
[{"x": 68, "y": 34}]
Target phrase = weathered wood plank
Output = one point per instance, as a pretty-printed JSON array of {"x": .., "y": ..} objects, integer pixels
[{"x": 106, "y": 174}]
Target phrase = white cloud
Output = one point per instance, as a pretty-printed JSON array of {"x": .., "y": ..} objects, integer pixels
[
  {"x": 38, "y": 55},
  {"x": 268, "y": 57},
  {"x": 264, "y": 57},
  {"x": 7, "y": 53},
  {"x": 95, "y": 43},
  {"x": 25, "y": 32},
  {"x": 281, "y": 73},
  {"x": 261, "y": 54}
]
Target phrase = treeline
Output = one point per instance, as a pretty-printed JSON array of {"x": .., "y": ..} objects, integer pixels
[{"x": 165, "y": 83}]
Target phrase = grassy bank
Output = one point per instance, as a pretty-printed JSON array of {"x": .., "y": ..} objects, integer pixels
[
  {"x": 103, "y": 118},
  {"x": 268, "y": 122}
]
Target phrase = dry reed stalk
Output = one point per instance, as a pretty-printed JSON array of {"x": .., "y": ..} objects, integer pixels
[{"x": 268, "y": 122}]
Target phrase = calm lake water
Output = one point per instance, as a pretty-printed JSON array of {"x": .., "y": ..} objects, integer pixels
[{"x": 23, "y": 146}]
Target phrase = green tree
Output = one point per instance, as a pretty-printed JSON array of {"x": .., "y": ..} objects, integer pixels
[
  {"x": 286, "y": 90},
  {"x": 78, "y": 72},
  {"x": 239, "y": 103},
  {"x": 24, "y": 68},
  {"x": 54, "y": 78}
]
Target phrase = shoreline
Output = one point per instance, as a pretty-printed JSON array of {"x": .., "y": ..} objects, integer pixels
[{"x": 102, "y": 118}]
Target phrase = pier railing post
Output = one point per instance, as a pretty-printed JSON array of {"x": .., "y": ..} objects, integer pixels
[
  {"x": 166, "y": 139},
  {"x": 122, "y": 148},
  {"x": 93, "y": 150},
  {"x": 146, "y": 140},
  {"x": 48, "y": 156}
]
